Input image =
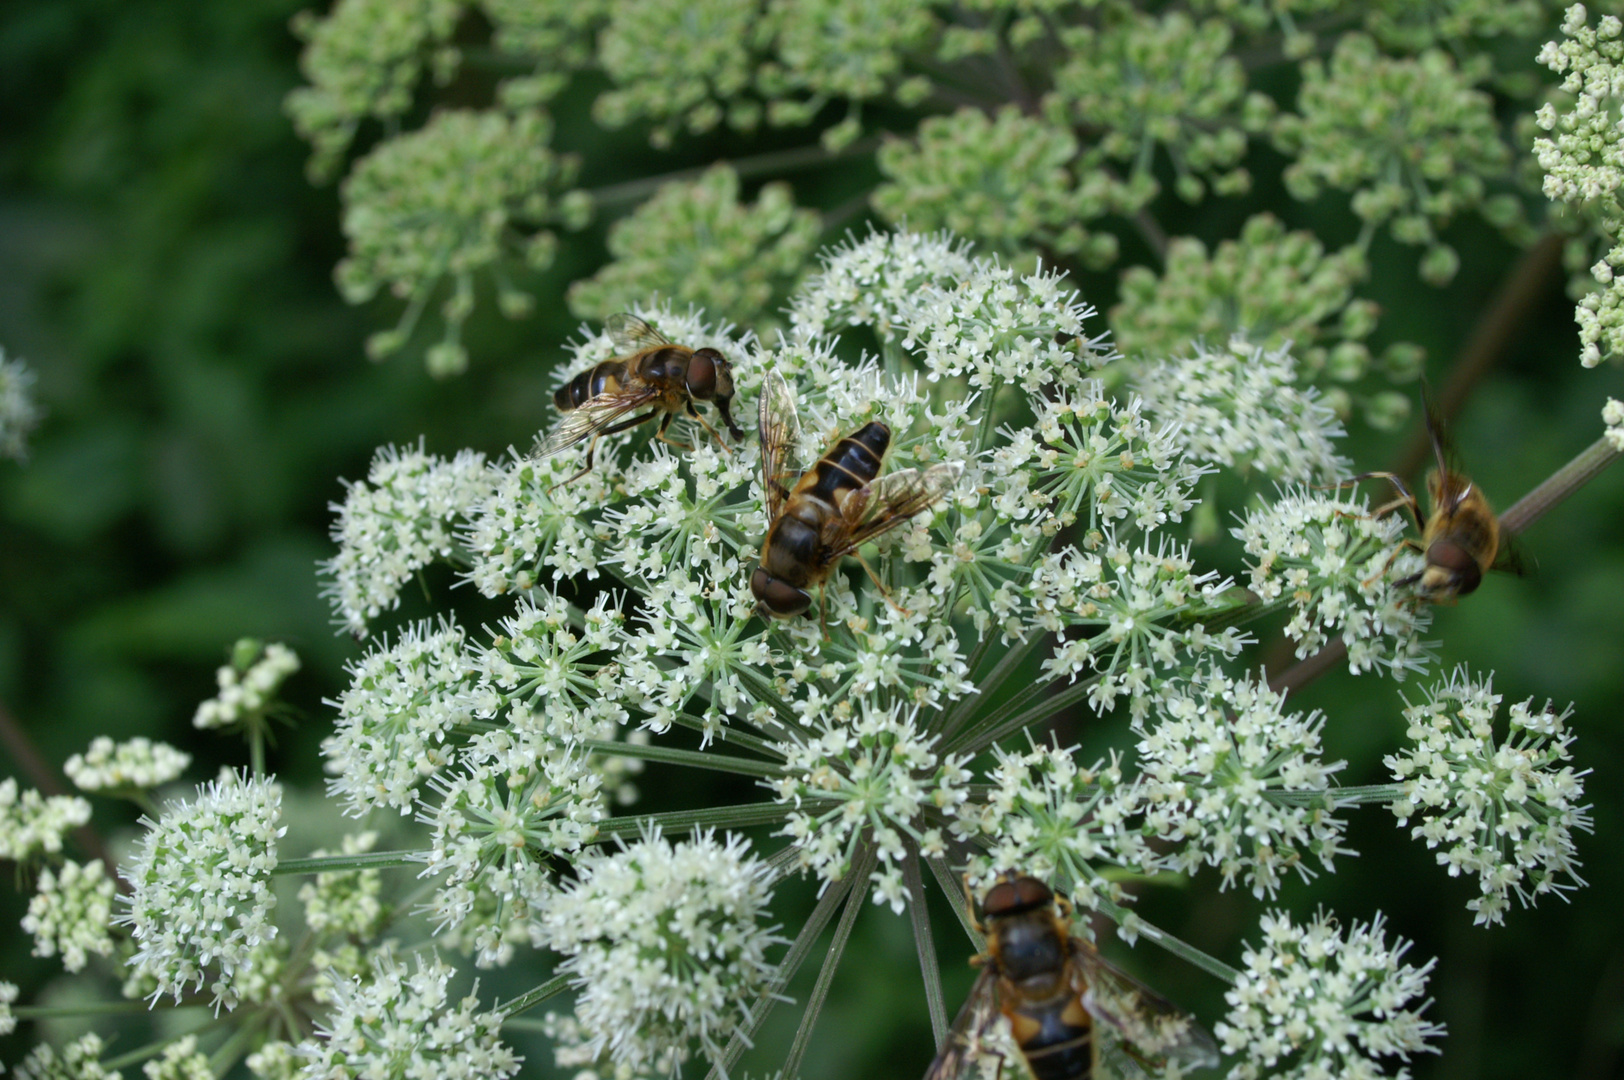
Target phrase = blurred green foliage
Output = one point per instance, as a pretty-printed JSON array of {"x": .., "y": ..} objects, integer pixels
[{"x": 167, "y": 269}]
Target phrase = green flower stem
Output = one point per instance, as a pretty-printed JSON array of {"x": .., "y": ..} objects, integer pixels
[
  {"x": 929, "y": 969},
  {"x": 366, "y": 860},
  {"x": 721, "y": 817},
  {"x": 856, "y": 901},
  {"x": 954, "y": 729},
  {"x": 748, "y": 168},
  {"x": 1562, "y": 483},
  {"x": 1348, "y": 796},
  {"x": 93, "y": 1008},
  {"x": 694, "y": 758},
  {"x": 1000, "y": 724},
  {"x": 799, "y": 950},
  {"x": 531, "y": 998},
  {"x": 141, "y": 1053},
  {"x": 1210, "y": 964}
]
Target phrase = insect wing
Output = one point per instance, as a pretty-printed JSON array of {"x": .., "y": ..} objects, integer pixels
[
  {"x": 593, "y": 416},
  {"x": 962, "y": 1049},
  {"x": 780, "y": 430},
  {"x": 631, "y": 334},
  {"x": 896, "y": 497},
  {"x": 1146, "y": 1027}
]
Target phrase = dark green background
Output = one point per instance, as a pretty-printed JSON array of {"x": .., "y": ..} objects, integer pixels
[{"x": 166, "y": 269}]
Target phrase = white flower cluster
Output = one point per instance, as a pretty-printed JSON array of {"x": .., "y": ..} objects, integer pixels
[
  {"x": 1504, "y": 809},
  {"x": 72, "y": 913},
  {"x": 666, "y": 943},
  {"x": 1311, "y": 1004},
  {"x": 79, "y": 1060},
  {"x": 1584, "y": 162},
  {"x": 180, "y": 1060},
  {"x": 32, "y": 824},
  {"x": 395, "y": 1022},
  {"x": 870, "y": 778},
  {"x": 395, "y": 523},
  {"x": 515, "y": 801},
  {"x": 18, "y": 413},
  {"x": 1612, "y": 414},
  {"x": 200, "y": 882},
  {"x": 8, "y": 994},
  {"x": 1047, "y": 567},
  {"x": 138, "y": 764},
  {"x": 1240, "y": 406},
  {"x": 1334, "y": 563},
  {"x": 1059, "y": 822},
  {"x": 403, "y": 701},
  {"x": 1219, "y": 765},
  {"x": 345, "y": 901},
  {"x": 248, "y": 685}
]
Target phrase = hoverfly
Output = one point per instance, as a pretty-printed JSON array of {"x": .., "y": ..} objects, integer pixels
[
  {"x": 838, "y": 505},
  {"x": 1460, "y": 538},
  {"x": 1072, "y": 1015},
  {"x": 650, "y": 371}
]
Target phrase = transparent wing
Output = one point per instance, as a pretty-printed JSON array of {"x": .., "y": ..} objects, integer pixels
[
  {"x": 780, "y": 430},
  {"x": 593, "y": 416},
  {"x": 1146, "y": 1030},
  {"x": 898, "y": 496},
  {"x": 631, "y": 334},
  {"x": 962, "y": 1047}
]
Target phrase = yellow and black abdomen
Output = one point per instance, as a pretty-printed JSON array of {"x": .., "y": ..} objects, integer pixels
[{"x": 604, "y": 378}]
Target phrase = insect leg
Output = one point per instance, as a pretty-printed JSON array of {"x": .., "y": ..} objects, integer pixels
[
  {"x": 1404, "y": 497},
  {"x": 593, "y": 445},
  {"x": 665, "y": 423},
  {"x": 693, "y": 412}
]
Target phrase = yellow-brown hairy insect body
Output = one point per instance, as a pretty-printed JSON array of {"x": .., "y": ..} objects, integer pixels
[
  {"x": 1069, "y": 1012},
  {"x": 1460, "y": 536},
  {"x": 651, "y": 373},
  {"x": 839, "y": 504}
]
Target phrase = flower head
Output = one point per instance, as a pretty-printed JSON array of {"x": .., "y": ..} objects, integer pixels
[
  {"x": 201, "y": 898},
  {"x": 1334, "y": 564},
  {"x": 32, "y": 824},
  {"x": 393, "y": 524},
  {"x": 1502, "y": 808},
  {"x": 665, "y": 943},
  {"x": 872, "y": 778},
  {"x": 396, "y": 1022},
  {"x": 139, "y": 764},
  {"x": 1219, "y": 762},
  {"x": 248, "y": 685},
  {"x": 1312, "y": 1002},
  {"x": 79, "y": 1060},
  {"x": 72, "y": 913}
]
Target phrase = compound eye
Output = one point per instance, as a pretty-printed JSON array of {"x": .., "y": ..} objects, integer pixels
[
  {"x": 702, "y": 372},
  {"x": 778, "y": 597}
]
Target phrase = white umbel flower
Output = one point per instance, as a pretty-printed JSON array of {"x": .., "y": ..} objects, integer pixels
[
  {"x": 403, "y": 1024},
  {"x": 139, "y": 764},
  {"x": 1502, "y": 808},
  {"x": 201, "y": 898},
  {"x": 666, "y": 944},
  {"x": 1312, "y": 1004}
]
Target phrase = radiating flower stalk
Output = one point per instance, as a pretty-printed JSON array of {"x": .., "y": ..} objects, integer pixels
[{"x": 898, "y": 734}]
